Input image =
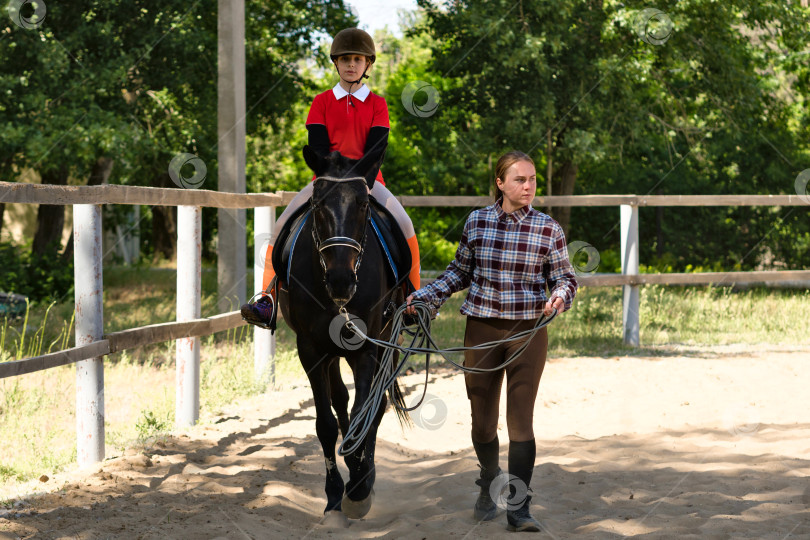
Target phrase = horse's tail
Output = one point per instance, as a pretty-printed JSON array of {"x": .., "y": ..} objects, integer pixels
[{"x": 398, "y": 400}]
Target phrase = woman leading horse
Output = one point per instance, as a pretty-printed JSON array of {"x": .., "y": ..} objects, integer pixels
[{"x": 508, "y": 253}]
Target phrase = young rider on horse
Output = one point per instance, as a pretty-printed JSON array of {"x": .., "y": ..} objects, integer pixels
[
  {"x": 501, "y": 256},
  {"x": 352, "y": 120}
]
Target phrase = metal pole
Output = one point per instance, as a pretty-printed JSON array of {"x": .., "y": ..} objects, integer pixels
[
  {"x": 189, "y": 293},
  {"x": 264, "y": 342},
  {"x": 231, "y": 128},
  {"x": 88, "y": 283},
  {"x": 630, "y": 298}
]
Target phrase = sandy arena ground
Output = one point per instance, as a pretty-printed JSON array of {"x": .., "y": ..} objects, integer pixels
[{"x": 710, "y": 444}]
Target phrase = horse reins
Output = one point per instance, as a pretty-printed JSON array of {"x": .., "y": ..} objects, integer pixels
[{"x": 386, "y": 375}]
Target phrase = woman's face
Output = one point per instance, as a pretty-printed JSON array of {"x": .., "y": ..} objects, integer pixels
[
  {"x": 519, "y": 186},
  {"x": 351, "y": 66}
]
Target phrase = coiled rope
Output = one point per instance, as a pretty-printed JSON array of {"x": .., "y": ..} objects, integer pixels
[{"x": 387, "y": 374}]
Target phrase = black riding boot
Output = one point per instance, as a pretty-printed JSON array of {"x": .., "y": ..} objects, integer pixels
[
  {"x": 485, "y": 508},
  {"x": 521, "y": 519},
  {"x": 521, "y": 464}
]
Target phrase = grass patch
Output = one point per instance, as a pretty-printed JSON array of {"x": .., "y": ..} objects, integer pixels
[
  {"x": 37, "y": 433},
  {"x": 671, "y": 315}
]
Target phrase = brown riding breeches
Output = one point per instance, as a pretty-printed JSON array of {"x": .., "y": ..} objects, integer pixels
[{"x": 522, "y": 377}]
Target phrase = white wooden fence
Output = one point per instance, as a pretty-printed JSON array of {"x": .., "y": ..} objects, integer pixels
[{"x": 92, "y": 344}]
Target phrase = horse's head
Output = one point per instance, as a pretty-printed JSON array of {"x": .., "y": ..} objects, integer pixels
[{"x": 340, "y": 216}]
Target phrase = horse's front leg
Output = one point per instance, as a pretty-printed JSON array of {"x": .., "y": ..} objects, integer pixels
[
  {"x": 326, "y": 426},
  {"x": 371, "y": 439},
  {"x": 359, "y": 488},
  {"x": 339, "y": 396}
]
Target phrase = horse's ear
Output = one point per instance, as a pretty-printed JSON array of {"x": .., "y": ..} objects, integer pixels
[
  {"x": 370, "y": 171},
  {"x": 314, "y": 160}
]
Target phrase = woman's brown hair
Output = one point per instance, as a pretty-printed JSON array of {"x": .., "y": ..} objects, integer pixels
[{"x": 504, "y": 162}]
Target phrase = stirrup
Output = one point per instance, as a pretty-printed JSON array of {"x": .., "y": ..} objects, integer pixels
[
  {"x": 255, "y": 322},
  {"x": 271, "y": 325}
]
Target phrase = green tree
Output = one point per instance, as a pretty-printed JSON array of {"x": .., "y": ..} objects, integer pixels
[
  {"x": 426, "y": 154},
  {"x": 135, "y": 83},
  {"x": 611, "y": 98}
]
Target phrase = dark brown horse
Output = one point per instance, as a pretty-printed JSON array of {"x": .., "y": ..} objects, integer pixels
[{"x": 338, "y": 264}]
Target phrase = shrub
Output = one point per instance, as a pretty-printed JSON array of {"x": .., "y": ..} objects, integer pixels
[{"x": 39, "y": 277}]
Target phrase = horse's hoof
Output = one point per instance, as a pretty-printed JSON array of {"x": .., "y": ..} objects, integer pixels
[
  {"x": 357, "y": 509},
  {"x": 335, "y": 519}
]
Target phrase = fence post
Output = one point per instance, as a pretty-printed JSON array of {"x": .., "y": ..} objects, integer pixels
[
  {"x": 630, "y": 298},
  {"x": 264, "y": 342},
  {"x": 189, "y": 292},
  {"x": 231, "y": 128},
  {"x": 88, "y": 285}
]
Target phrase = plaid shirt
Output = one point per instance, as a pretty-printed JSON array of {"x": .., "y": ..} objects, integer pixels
[{"x": 500, "y": 257}]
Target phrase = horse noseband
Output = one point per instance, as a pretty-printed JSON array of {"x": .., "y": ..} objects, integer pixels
[
  {"x": 336, "y": 241},
  {"x": 340, "y": 241}
]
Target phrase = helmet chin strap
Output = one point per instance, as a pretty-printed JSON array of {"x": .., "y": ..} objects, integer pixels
[
  {"x": 363, "y": 76},
  {"x": 359, "y": 80},
  {"x": 352, "y": 83}
]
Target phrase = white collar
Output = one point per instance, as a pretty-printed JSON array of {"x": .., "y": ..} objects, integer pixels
[{"x": 361, "y": 94}]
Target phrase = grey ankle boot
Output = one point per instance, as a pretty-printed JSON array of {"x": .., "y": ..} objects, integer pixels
[
  {"x": 485, "y": 508},
  {"x": 521, "y": 519}
]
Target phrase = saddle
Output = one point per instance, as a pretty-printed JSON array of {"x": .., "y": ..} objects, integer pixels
[
  {"x": 285, "y": 243},
  {"x": 386, "y": 230}
]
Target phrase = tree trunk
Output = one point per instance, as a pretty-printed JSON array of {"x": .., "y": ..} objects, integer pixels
[
  {"x": 659, "y": 230},
  {"x": 100, "y": 174},
  {"x": 566, "y": 178},
  {"x": 164, "y": 223},
  {"x": 6, "y": 175},
  {"x": 50, "y": 217}
]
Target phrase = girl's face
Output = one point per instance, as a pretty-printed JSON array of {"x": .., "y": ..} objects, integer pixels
[
  {"x": 519, "y": 186},
  {"x": 351, "y": 66}
]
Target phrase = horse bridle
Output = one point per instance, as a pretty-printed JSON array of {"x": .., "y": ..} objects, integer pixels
[{"x": 336, "y": 241}]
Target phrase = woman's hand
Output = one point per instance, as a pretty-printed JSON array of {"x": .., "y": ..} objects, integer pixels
[
  {"x": 410, "y": 309},
  {"x": 555, "y": 303}
]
